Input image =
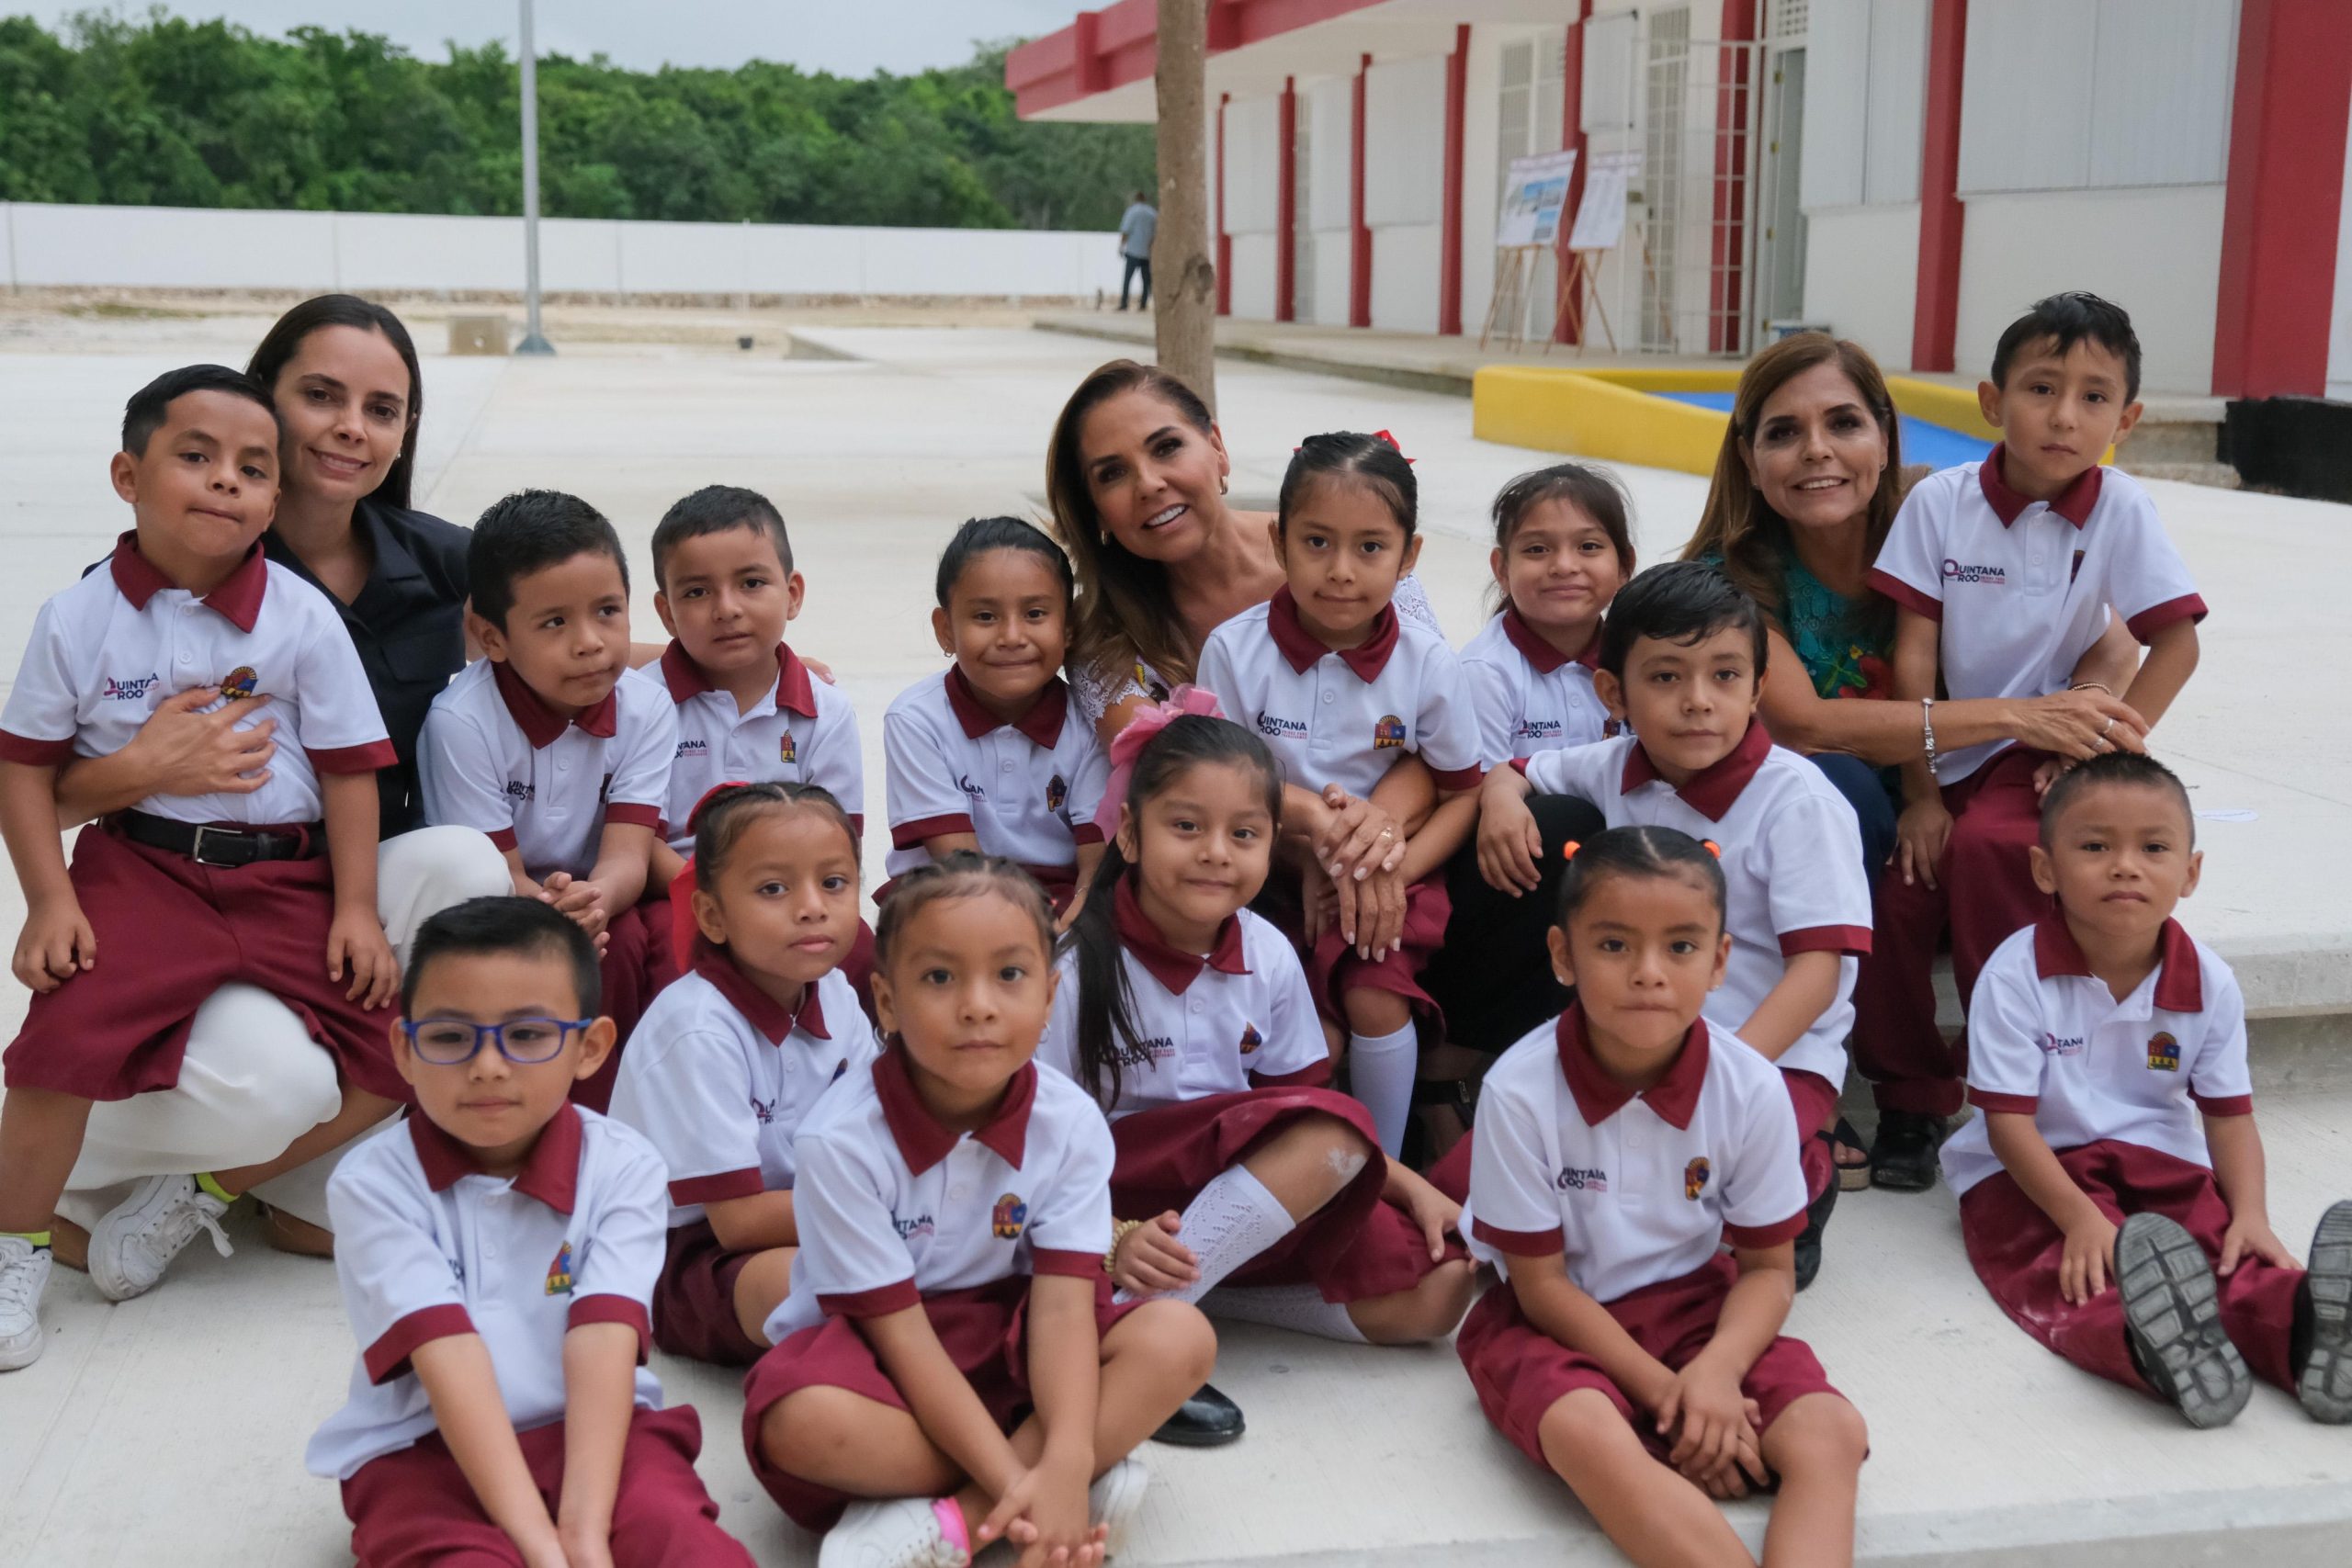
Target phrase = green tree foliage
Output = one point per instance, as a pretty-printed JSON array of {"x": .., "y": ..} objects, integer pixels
[{"x": 168, "y": 112}]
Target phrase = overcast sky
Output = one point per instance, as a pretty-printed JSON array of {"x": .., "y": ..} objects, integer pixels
[{"x": 849, "y": 38}]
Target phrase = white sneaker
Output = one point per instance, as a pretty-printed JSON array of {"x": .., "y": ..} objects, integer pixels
[
  {"x": 136, "y": 1242},
  {"x": 902, "y": 1533},
  {"x": 1115, "y": 1500},
  {"x": 23, "y": 1275}
]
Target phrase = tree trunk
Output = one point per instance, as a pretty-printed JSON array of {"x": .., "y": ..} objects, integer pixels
[{"x": 1184, "y": 273}]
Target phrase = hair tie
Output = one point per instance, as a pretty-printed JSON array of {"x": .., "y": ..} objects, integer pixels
[
  {"x": 1128, "y": 744},
  {"x": 1383, "y": 435},
  {"x": 694, "y": 817},
  {"x": 1712, "y": 848},
  {"x": 1568, "y": 850}
]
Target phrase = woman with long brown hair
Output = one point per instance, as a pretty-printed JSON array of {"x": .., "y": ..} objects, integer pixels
[{"x": 1806, "y": 485}]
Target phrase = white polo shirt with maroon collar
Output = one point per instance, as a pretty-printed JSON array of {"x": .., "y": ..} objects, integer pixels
[
  {"x": 2047, "y": 1039},
  {"x": 1240, "y": 1016},
  {"x": 1635, "y": 1189},
  {"x": 1530, "y": 696},
  {"x": 1344, "y": 716},
  {"x": 1792, "y": 856},
  {"x": 106, "y": 652},
  {"x": 428, "y": 1245},
  {"x": 495, "y": 757},
  {"x": 2022, "y": 588},
  {"x": 719, "y": 1076},
  {"x": 802, "y": 731},
  {"x": 893, "y": 1207},
  {"x": 1029, "y": 791}
]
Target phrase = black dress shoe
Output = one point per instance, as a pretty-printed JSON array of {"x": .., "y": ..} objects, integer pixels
[
  {"x": 1207, "y": 1420},
  {"x": 1808, "y": 1248},
  {"x": 1903, "y": 1157}
]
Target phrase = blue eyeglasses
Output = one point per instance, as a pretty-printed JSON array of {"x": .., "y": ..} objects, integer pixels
[{"x": 450, "y": 1042}]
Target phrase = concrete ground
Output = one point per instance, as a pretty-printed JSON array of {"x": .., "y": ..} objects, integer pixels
[{"x": 171, "y": 1427}]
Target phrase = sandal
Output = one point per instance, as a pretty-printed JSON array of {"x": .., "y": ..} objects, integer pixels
[{"x": 1843, "y": 1139}]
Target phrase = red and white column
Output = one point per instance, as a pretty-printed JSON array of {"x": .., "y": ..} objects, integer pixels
[{"x": 1935, "y": 311}]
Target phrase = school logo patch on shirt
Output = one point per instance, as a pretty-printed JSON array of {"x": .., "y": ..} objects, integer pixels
[
  {"x": 1057, "y": 792},
  {"x": 2164, "y": 1053},
  {"x": 242, "y": 682},
  {"x": 1538, "y": 729},
  {"x": 559, "y": 1271},
  {"x": 971, "y": 791},
  {"x": 1251, "y": 1038},
  {"x": 135, "y": 689},
  {"x": 690, "y": 749},
  {"x": 1274, "y": 728},
  {"x": 2068, "y": 1045},
  {"x": 764, "y": 1110},
  {"x": 909, "y": 1229},
  {"x": 1011, "y": 1214},
  {"x": 1144, "y": 1053},
  {"x": 786, "y": 751},
  {"x": 1988, "y": 576},
  {"x": 1588, "y": 1180},
  {"x": 1694, "y": 1177},
  {"x": 519, "y": 789},
  {"x": 1388, "y": 734}
]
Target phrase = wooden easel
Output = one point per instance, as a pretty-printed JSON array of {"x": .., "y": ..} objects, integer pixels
[
  {"x": 1514, "y": 270},
  {"x": 1580, "y": 288}
]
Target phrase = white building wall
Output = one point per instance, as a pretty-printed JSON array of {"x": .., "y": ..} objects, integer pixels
[
  {"x": 1482, "y": 171},
  {"x": 1328, "y": 107},
  {"x": 1862, "y": 275},
  {"x": 1252, "y": 160},
  {"x": 1404, "y": 186},
  {"x": 2155, "y": 251},
  {"x": 1404, "y": 277},
  {"x": 1253, "y": 278}
]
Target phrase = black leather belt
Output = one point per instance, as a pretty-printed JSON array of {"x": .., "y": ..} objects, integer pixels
[{"x": 223, "y": 846}]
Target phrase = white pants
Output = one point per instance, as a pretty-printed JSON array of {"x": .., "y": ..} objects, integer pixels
[{"x": 254, "y": 1080}]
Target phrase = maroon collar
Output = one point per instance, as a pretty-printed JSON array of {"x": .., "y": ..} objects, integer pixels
[
  {"x": 922, "y": 1142},
  {"x": 1533, "y": 647},
  {"x": 794, "y": 691},
  {"x": 1172, "y": 967},
  {"x": 2073, "y": 503},
  {"x": 541, "y": 723},
  {"x": 550, "y": 1171},
  {"x": 1302, "y": 648},
  {"x": 236, "y": 596},
  {"x": 2180, "y": 980},
  {"x": 1598, "y": 1097},
  {"x": 1042, "y": 724},
  {"x": 1713, "y": 789},
  {"x": 774, "y": 1021}
]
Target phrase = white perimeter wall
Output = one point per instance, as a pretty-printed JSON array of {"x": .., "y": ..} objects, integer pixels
[
  {"x": 205, "y": 248},
  {"x": 1862, "y": 275}
]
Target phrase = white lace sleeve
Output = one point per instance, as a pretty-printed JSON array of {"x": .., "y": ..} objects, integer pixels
[
  {"x": 1413, "y": 603},
  {"x": 1096, "y": 694}
]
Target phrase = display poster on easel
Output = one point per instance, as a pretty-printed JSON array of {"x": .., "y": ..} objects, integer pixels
[
  {"x": 1601, "y": 219},
  {"x": 1535, "y": 193}
]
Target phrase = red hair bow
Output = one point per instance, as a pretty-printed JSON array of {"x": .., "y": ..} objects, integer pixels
[{"x": 1383, "y": 435}]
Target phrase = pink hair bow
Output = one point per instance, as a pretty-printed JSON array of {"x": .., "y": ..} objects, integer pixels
[{"x": 1128, "y": 744}]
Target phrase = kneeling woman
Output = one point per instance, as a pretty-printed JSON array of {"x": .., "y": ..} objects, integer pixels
[{"x": 1251, "y": 1188}]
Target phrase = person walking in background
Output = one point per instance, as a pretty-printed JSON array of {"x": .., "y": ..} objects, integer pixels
[{"x": 1136, "y": 227}]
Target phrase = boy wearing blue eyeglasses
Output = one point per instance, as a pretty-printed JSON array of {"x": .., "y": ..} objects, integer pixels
[{"x": 497, "y": 1253}]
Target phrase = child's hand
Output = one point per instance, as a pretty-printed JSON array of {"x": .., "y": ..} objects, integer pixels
[
  {"x": 1432, "y": 1212},
  {"x": 2251, "y": 1234},
  {"x": 355, "y": 942},
  {"x": 2090, "y": 1260},
  {"x": 2048, "y": 772},
  {"x": 1509, "y": 843},
  {"x": 1318, "y": 901},
  {"x": 585, "y": 1547},
  {"x": 581, "y": 899},
  {"x": 1920, "y": 834},
  {"x": 549, "y": 1553},
  {"x": 55, "y": 946},
  {"x": 1065, "y": 1539},
  {"x": 1743, "y": 1471},
  {"x": 1150, "y": 1259},
  {"x": 1705, "y": 1414}
]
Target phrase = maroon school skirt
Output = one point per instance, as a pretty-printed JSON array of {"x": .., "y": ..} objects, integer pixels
[
  {"x": 1521, "y": 1371},
  {"x": 170, "y": 932},
  {"x": 693, "y": 1299},
  {"x": 1355, "y": 1248},
  {"x": 984, "y": 1331}
]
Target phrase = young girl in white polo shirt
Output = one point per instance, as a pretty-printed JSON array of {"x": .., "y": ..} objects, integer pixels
[
  {"x": 1341, "y": 689},
  {"x": 1563, "y": 549},
  {"x": 2112, "y": 1185},
  {"x": 950, "y": 1369},
  {"x": 732, "y": 1057},
  {"x": 1248, "y": 1187},
  {"x": 1620, "y": 1149},
  {"x": 989, "y": 754}
]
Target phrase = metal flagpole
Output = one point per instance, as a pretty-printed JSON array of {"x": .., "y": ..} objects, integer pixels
[{"x": 534, "y": 340}]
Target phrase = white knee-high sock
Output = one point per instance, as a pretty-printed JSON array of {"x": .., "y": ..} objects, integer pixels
[
  {"x": 1300, "y": 1308},
  {"x": 1228, "y": 1222},
  {"x": 1381, "y": 1069}
]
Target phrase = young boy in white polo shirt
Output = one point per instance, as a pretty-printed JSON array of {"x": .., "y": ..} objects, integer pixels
[
  {"x": 2004, "y": 574},
  {"x": 2111, "y": 1187},
  {"x": 497, "y": 1253},
  {"x": 541, "y": 744},
  {"x": 1682, "y": 662},
  {"x": 167, "y": 902},
  {"x": 1619, "y": 1151}
]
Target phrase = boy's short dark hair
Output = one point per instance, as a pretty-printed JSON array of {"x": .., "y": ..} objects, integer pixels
[
  {"x": 530, "y": 531},
  {"x": 1680, "y": 602},
  {"x": 2112, "y": 768},
  {"x": 503, "y": 923},
  {"x": 143, "y": 414},
  {"x": 715, "y": 509},
  {"x": 2066, "y": 319}
]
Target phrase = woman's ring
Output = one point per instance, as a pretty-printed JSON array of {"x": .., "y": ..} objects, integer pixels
[{"x": 2108, "y": 725}]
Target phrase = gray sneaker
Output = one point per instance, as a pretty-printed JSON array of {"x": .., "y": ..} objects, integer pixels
[
  {"x": 2324, "y": 1381},
  {"x": 2172, "y": 1315},
  {"x": 23, "y": 1275},
  {"x": 136, "y": 1242}
]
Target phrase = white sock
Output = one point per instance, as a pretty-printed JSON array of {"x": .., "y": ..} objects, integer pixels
[
  {"x": 1300, "y": 1308},
  {"x": 1232, "y": 1220},
  {"x": 1381, "y": 1069}
]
